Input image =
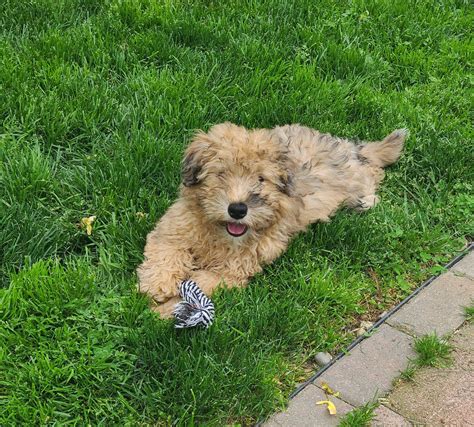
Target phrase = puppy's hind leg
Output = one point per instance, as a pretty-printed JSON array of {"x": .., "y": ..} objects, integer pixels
[
  {"x": 366, "y": 202},
  {"x": 321, "y": 205}
]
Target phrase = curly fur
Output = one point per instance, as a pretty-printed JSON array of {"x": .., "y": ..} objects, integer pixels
[{"x": 289, "y": 177}]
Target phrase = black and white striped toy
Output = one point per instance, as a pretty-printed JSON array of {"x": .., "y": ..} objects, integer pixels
[{"x": 196, "y": 309}]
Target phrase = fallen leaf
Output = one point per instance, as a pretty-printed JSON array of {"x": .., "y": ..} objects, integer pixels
[
  {"x": 329, "y": 390},
  {"x": 331, "y": 407},
  {"x": 87, "y": 223}
]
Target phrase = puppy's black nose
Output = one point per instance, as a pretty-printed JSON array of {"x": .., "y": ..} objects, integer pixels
[{"x": 237, "y": 210}]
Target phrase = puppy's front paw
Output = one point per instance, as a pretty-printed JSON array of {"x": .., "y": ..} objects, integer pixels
[
  {"x": 159, "y": 294},
  {"x": 167, "y": 308}
]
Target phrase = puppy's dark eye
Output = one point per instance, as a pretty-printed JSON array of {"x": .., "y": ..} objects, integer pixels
[{"x": 261, "y": 178}]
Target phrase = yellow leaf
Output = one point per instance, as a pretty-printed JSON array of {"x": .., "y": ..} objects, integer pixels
[
  {"x": 87, "y": 222},
  {"x": 331, "y": 407},
  {"x": 329, "y": 390}
]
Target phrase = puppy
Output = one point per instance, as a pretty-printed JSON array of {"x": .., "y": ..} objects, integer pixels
[{"x": 246, "y": 193}]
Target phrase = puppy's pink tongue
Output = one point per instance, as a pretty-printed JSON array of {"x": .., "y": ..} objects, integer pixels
[{"x": 236, "y": 229}]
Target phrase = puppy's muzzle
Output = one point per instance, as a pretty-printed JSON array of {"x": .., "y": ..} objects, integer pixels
[{"x": 237, "y": 210}]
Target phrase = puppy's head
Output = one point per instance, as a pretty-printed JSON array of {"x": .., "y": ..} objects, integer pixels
[{"x": 240, "y": 179}]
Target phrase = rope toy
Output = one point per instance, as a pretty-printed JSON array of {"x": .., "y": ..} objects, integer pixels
[{"x": 196, "y": 309}]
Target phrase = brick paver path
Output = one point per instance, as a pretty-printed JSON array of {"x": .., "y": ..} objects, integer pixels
[{"x": 368, "y": 371}]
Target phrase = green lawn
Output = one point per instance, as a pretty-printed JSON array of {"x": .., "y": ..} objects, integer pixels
[{"x": 97, "y": 102}]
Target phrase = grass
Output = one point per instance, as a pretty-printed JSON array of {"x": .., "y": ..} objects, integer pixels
[
  {"x": 432, "y": 351},
  {"x": 97, "y": 102},
  {"x": 469, "y": 313},
  {"x": 359, "y": 417}
]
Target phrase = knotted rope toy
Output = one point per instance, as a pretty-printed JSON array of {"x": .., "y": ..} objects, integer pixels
[{"x": 196, "y": 309}]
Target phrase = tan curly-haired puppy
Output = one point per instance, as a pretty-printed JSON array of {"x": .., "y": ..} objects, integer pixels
[{"x": 246, "y": 193}]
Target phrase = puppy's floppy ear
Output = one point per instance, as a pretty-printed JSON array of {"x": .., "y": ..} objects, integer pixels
[
  {"x": 287, "y": 171},
  {"x": 286, "y": 185},
  {"x": 194, "y": 159}
]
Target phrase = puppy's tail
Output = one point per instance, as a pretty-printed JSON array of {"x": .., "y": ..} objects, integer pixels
[{"x": 387, "y": 151}]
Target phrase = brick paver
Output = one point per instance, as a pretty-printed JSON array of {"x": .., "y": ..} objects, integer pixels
[
  {"x": 303, "y": 411},
  {"x": 463, "y": 343},
  {"x": 437, "y": 308},
  {"x": 367, "y": 372},
  {"x": 437, "y": 396},
  {"x": 466, "y": 265},
  {"x": 385, "y": 417}
]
